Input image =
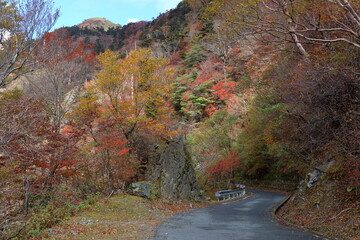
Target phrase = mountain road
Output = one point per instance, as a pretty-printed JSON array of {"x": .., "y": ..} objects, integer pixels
[{"x": 248, "y": 219}]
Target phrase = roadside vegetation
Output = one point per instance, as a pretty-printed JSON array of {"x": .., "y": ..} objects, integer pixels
[
  {"x": 266, "y": 93},
  {"x": 119, "y": 217}
]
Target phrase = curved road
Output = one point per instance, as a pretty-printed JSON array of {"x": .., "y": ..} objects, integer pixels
[{"x": 248, "y": 219}]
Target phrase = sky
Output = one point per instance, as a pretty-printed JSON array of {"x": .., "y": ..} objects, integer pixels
[{"x": 121, "y": 12}]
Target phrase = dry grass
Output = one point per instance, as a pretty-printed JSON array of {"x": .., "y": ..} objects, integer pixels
[
  {"x": 323, "y": 211},
  {"x": 121, "y": 217}
]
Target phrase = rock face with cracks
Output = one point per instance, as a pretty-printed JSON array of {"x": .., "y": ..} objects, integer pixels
[{"x": 173, "y": 173}]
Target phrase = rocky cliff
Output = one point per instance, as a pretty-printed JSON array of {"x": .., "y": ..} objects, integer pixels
[{"x": 172, "y": 172}]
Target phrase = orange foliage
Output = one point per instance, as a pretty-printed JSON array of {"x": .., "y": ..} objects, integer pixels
[
  {"x": 112, "y": 142},
  {"x": 226, "y": 166},
  {"x": 57, "y": 47},
  {"x": 223, "y": 90}
]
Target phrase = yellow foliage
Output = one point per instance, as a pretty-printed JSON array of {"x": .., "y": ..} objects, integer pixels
[{"x": 134, "y": 91}]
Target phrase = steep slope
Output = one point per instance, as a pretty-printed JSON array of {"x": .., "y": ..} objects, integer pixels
[
  {"x": 260, "y": 114},
  {"x": 250, "y": 109},
  {"x": 163, "y": 34}
]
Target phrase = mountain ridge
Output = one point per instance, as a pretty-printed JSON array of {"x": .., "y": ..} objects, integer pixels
[{"x": 97, "y": 22}]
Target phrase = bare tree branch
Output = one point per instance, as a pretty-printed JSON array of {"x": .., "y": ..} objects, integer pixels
[{"x": 21, "y": 23}]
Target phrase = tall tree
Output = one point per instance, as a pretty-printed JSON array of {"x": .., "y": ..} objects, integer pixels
[
  {"x": 292, "y": 21},
  {"x": 126, "y": 100},
  {"x": 21, "y": 23},
  {"x": 135, "y": 91},
  {"x": 64, "y": 65},
  {"x": 111, "y": 166},
  {"x": 33, "y": 158}
]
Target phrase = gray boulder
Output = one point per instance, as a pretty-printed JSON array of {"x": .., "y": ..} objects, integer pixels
[
  {"x": 141, "y": 189},
  {"x": 314, "y": 176}
]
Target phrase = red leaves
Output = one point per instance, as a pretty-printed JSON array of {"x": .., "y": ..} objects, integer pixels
[
  {"x": 113, "y": 143},
  {"x": 58, "y": 47},
  {"x": 41, "y": 164},
  {"x": 224, "y": 90},
  {"x": 123, "y": 151},
  {"x": 227, "y": 165},
  {"x": 202, "y": 78},
  {"x": 34, "y": 149},
  {"x": 175, "y": 58}
]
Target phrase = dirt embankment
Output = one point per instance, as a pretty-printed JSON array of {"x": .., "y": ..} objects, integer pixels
[{"x": 324, "y": 211}]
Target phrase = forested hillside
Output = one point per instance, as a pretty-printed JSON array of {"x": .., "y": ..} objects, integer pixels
[{"x": 211, "y": 93}]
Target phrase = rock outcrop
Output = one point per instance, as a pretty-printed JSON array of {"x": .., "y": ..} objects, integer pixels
[
  {"x": 172, "y": 173},
  {"x": 141, "y": 189},
  {"x": 314, "y": 176}
]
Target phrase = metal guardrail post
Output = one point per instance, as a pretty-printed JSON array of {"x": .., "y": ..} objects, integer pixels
[{"x": 230, "y": 194}]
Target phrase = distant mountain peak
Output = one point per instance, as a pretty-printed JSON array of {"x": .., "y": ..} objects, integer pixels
[{"x": 94, "y": 23}]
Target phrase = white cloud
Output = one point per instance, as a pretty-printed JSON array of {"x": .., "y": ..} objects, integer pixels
[
  {"x": 132, "y": 20},
  {"x": 164, "y": 5}
]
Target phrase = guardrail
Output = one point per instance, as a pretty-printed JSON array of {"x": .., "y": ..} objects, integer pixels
[{"x": 225, "y": 195}]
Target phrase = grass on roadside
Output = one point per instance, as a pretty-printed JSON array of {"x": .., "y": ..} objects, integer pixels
[{"x": 120, "y": 217}]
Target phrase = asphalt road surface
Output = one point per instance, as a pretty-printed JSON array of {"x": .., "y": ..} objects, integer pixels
[{"x": 248, "y": 219}]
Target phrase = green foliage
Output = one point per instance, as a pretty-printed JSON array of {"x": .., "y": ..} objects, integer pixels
[
  {"x": 208, "y": 28},
  {"x": 168, "y": 29},
  {"x": 265, "y": 152},
  {"x": 177, "y": 98},
  {"x": 214, "y": 138},
  {"x": 180, "y": 87},
  {"x": 99, "y": 46},
  {"x": 56, "y": 209},
  {"x": 195, "y": 56},
  {"x": 199, "y": 100},
  {"x": 190, "y": 100},
  {"x": 245, "y": 81},
  {"x": 204, "y": 88}
]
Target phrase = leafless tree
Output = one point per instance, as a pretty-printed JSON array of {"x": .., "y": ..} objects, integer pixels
[
  {"x": 63, "y": 66},
  {"x": 21, "y": 23},
  {"x": 292, "y": 21}
]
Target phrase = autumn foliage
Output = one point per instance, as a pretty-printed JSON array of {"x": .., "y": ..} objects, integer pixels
[
  {"x": 265, "y": 91},
  {"x": 227, "y": 166}
]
